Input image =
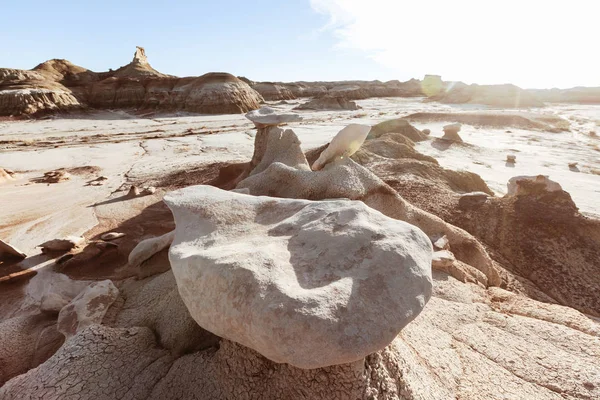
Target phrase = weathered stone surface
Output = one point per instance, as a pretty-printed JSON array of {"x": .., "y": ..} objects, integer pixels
[
  {"x": 543, "y": 238},
  {"x": 297, "y": 280},
  {"x": 52, "y": 303},
  {"x": 88, "y": 308},
  {"x": 442, "y": 259},
  {"x": 468, "y": 343},
  {"x": 343, "y": 145},
  {"x": 523, "y": 185},
  {"x": 473, "y": 199},
  {"x": 27, "y": 341},
  {"x": 266, "y": 116}
]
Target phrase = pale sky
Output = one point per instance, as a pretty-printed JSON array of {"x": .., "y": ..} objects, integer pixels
[{"x": 529, "y": 43}]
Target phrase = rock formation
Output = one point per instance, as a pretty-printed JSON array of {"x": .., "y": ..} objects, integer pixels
[
  {"x": 58, "y": 85},
  {"x": 347, "y": 179},
  {"x": 523, "y": 185},
  {"x": 301, "y": 279},
  {"x": 343, "y": 145},
  {"x": 451, "y": 133},
  {"x": 329, "y": 102}
]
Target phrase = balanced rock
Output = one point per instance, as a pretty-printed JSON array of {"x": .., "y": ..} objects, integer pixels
[
  {"x": 451, "y": 132},
  {"x": 522, "y": 185},
  {"x": 343, "y": 145},
  {"x": 266, "y": 116},
  {"x": 471, "y": 200},
  {"x": 308, "y": 283},
  {"x": 426, "y": 131},
  {"x": 88, "y": 308}
]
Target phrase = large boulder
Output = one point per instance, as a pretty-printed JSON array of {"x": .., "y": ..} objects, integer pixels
[{"x": 297, "y": 280}]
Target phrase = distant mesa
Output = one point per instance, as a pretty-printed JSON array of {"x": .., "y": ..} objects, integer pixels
[{"x": 59, "y": 85}]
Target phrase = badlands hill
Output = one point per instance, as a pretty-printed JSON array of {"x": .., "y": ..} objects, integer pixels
[{"x": 59, "y": 85}]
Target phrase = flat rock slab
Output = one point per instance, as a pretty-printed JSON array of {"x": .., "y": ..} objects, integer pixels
[
  {"x": 266, "y": 116},
  {"x": 309, "y": 283}
]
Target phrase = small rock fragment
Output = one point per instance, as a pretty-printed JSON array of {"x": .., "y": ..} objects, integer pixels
[
  {"x": 134, "y": 191},
  {"x": 442, "y": 259},
  {"x": 472, "y": 200},
  {"x": 112, "y": 235},
  {"x": 573, "y": 164},
  {"x": 148, "y": 190},
  {"x": 52, "y": 303},
  {"x": 7, "y": 250},
  {"x": 511, "y": 158},
  {"x": 426, "y": 131},
  {"x": 442, "y": 243}
]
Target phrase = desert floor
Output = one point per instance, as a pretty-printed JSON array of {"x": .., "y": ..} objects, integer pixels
[{"x": 148, "y": 150}]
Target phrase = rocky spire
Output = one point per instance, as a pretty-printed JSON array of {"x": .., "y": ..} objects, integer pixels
[{"x": 140, "y": 56}]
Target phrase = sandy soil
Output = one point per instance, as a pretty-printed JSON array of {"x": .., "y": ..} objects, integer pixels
[{"x": 140, "y": 150}]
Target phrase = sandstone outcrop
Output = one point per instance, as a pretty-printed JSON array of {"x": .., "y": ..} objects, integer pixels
[
  {"x": 538, "y": 234},
  {"x": 329, "y": 102},
  {"x": 302, "y": 278}
]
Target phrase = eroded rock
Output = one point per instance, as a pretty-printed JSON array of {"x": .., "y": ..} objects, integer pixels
[
  {"x": 297, "y": 280},
  {"x": 343, "y": 145},
  {"x": 88, "y": 308}
]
